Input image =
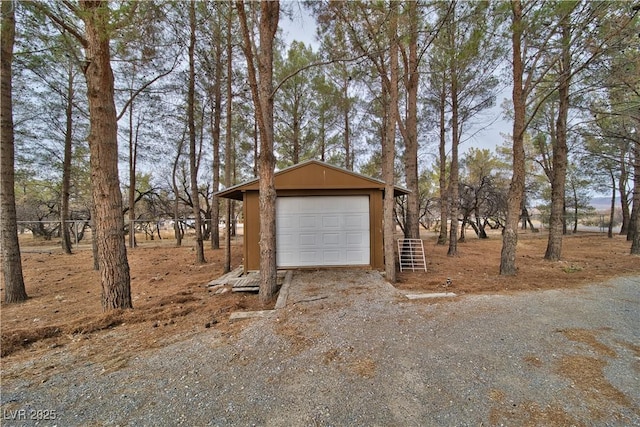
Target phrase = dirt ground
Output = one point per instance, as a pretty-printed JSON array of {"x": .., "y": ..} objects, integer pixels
[
  {"x": 172, "y": 302},
  {"x": 586, "y": 258}
]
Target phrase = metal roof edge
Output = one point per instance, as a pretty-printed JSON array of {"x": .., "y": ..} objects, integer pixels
[{"x": 228, "y": 191}]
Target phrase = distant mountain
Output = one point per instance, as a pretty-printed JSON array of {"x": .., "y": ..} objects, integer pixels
[{"x": 602, "y": 203}]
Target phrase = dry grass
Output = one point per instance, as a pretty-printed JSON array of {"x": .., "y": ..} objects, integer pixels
[
  {"x": 330, "y": 356},
  {"x": 589, "y": 337},
  {"x": 300, "y": 337},
  {"x": 586, "y": 258},
  {"x": 365, "y": 368},
  {"x": 170, "y": 298},
  {"x": 533, "y": 361},
  {"x": 587, "y": 373},
  {"x": 171, "y": 301}
]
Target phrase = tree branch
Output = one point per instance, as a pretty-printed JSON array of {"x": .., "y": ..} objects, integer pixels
[
  {"x": 145, "y": 86},
  {"x": 315, "y": 64},
  {"x": 56, "y": 20}
]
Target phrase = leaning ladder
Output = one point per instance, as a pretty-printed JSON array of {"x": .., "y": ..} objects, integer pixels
[{"x": 411, "y": 255}]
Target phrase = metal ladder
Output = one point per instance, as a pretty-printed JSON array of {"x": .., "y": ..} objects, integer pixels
[{"x": 411, "y": 255}]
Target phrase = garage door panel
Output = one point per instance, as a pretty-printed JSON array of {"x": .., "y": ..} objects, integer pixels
[
  {"x": 310, "y": 206},
  {"x": 306, "y": 239},
  {"x": 308, "y": 257},
  {"x": 330, "y": 222},
  {"x": 288, "y": 222},
  {"x": 308, "y": 221},
  {"x": 322, "y": 230},
  {"x": 331, "y": 257},
  {"x": 358, "y": 221},
  {"x": 283, "y": 254},
  {"x": 356, "y": 256},
  {"x": 286, "y": 239},
  {"x": 331, "y": 239},
  {"x": 355, "y": 239}
]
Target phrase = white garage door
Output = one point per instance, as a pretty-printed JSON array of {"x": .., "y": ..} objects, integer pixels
[{"x": 322, "y": 230}]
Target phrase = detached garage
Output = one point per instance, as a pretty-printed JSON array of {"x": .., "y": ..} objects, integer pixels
[{"x": 326, "y": 216}]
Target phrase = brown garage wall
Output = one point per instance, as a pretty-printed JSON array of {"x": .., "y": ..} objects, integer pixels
[
  {"x": 311, "y": 178},
  {"x": 251, "y": 211},
  {"x": 252, "y": 223}
]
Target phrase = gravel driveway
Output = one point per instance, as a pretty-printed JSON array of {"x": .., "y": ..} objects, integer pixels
[{"x": 349, "y": 349}]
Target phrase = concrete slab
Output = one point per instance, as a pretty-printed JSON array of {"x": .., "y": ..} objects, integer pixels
[
  {"x": 241, "y": 315},
  {"x": 431, "y": 295}
]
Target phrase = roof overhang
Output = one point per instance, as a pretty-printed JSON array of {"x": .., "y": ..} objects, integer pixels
[{"x": 316, "y": 179}]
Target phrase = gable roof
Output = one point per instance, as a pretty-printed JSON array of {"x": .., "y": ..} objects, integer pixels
[{"x": 312, "y": 175}]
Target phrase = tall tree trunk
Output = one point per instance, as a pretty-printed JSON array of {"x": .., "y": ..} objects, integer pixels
[
  {"x": 347, "y": 134},
  {"x": 516, "y": 189},
  {"x": 612, "y": 211},
  {"x": 176, "y": 202},
  {"x": 215, "y": 133},
  {"x": 256, "y": 143},
  {"x": 193, "y": 168},
  {"x": 455, "y": 141},
  {"x": 323, "y": 135},
  {"x": 13, "y": 281},
  {"x": 215, "y": 200},
  {"x": 296, "y": 133},
  {"x": 133, "y": 155},
  {"x": 624, "y": 198},
  {"x": 444, "y": 196},
  {"x": 228, "y": 164},
  {"x": 560, "y": 151},
  {"x": 262, "y": 93},
  {"x": 66, "y": 165},
  {"x": 94, "y": 239},
  {"x": 270, "y": 14},
  {"x": 482, "y": 234},
  {"x": 388, "y": 150},
  {"x": 103, "y": 145},
  {"x": 575, "y": 211},
  {"x": 463, "y": 226},
  {"x": 412, "y": 220},
  {"x": 634, "y": 223},
  {"x": 205, "y": 211},
  {"x": 526, "y": 218}
]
